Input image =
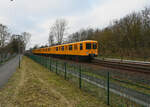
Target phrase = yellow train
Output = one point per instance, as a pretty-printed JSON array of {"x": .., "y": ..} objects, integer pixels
[{"x": 84, "y": 50}]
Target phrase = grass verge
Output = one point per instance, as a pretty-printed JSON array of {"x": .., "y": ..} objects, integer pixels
[{"x": 34, "y": 86}]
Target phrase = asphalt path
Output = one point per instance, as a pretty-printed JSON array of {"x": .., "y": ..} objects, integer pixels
[{"x": 7, "y": 69}]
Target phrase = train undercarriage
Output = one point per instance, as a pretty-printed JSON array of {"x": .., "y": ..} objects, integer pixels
[{"x": 76, "y": 58}]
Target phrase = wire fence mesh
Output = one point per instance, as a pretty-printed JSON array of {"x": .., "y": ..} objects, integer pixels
[{"x": 113, "y": 88}]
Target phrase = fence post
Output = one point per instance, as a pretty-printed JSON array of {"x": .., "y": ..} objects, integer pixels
[
  {"x": 50, "y": 64},
  {"x": 65, "y": 71},
  {"x": 40, "y": 60},
  {"x": 108, "y": 102},
  {"x": 74, "y": 68},
  {"x": 47, "y": 62},
  {"x": 80, "y": 76},
  {"x": 44, "y": 62},
  {"x": 19, "y": 61},
  {"x": 56, "y": 67}
]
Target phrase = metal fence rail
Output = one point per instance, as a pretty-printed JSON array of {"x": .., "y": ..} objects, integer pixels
[{"x": 100, "y": 85}]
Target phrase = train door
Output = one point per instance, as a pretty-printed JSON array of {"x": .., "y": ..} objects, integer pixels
[
  {"x": 76, "y": 49},
  {"x": 66, "y": 50},
  {"x": 81, "y": 49}
]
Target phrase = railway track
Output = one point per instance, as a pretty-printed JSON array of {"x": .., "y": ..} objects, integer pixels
[
  {"x": 136, "y": 67},
  {"x": 129, "y": 66}
]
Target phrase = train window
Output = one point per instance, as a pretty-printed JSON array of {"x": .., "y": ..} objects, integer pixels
[
  {"x": 75, "y": 47},
  {"x": 81, "y": 46},
  {"x": 49, "y": 49},
  {"x": 94, "y": 45},
  {"x": 70, "y": 47},
  {"x": 62, "y": 48},
  {"x": 88, "y": 45},
  {"x": 56, "y": 48}
]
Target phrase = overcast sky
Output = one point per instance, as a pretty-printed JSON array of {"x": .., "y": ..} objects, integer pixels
[{"x": 36, "y": 16}]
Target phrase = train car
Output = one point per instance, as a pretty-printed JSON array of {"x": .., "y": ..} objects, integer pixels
[{"x": 83, "y": 50}]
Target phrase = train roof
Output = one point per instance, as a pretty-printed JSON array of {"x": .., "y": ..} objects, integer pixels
[{"x": 69, "y": 43}]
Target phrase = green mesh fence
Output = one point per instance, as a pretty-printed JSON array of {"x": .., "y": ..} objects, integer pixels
[{"x": 112, "y": 87}]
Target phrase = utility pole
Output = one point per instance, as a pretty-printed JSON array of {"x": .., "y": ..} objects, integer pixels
[{"x": 19, "y": 49}]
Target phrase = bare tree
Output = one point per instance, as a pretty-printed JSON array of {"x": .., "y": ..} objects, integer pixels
[
  {"x": 35, "y": 46},
  {"x": 51, "y": 38},
  {"x": 59, "y": 29},
  {"x": 81, "y": 35},
  {"x": 26, "y": 38},
  {"x": 3, "y": 35}
]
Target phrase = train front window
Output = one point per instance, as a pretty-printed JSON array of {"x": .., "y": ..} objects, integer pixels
[
  {"x": 70, "y": 47},
  {"x": 94, "y": 45},
  {"x": 88, "y": 45},
  {"x": 81, "y": 46}
]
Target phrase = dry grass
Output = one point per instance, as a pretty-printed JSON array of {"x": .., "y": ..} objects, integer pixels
[{"x": 34, "y": 86}]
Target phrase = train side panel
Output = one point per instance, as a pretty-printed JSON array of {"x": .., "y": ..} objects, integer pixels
[{"x": 84, "y": 48}]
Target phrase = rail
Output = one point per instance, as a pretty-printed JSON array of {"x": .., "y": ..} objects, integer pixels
[{"x": 141, "y": 68}]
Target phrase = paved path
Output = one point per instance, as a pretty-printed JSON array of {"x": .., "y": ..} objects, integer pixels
[{"x": 7, "y": 69}]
